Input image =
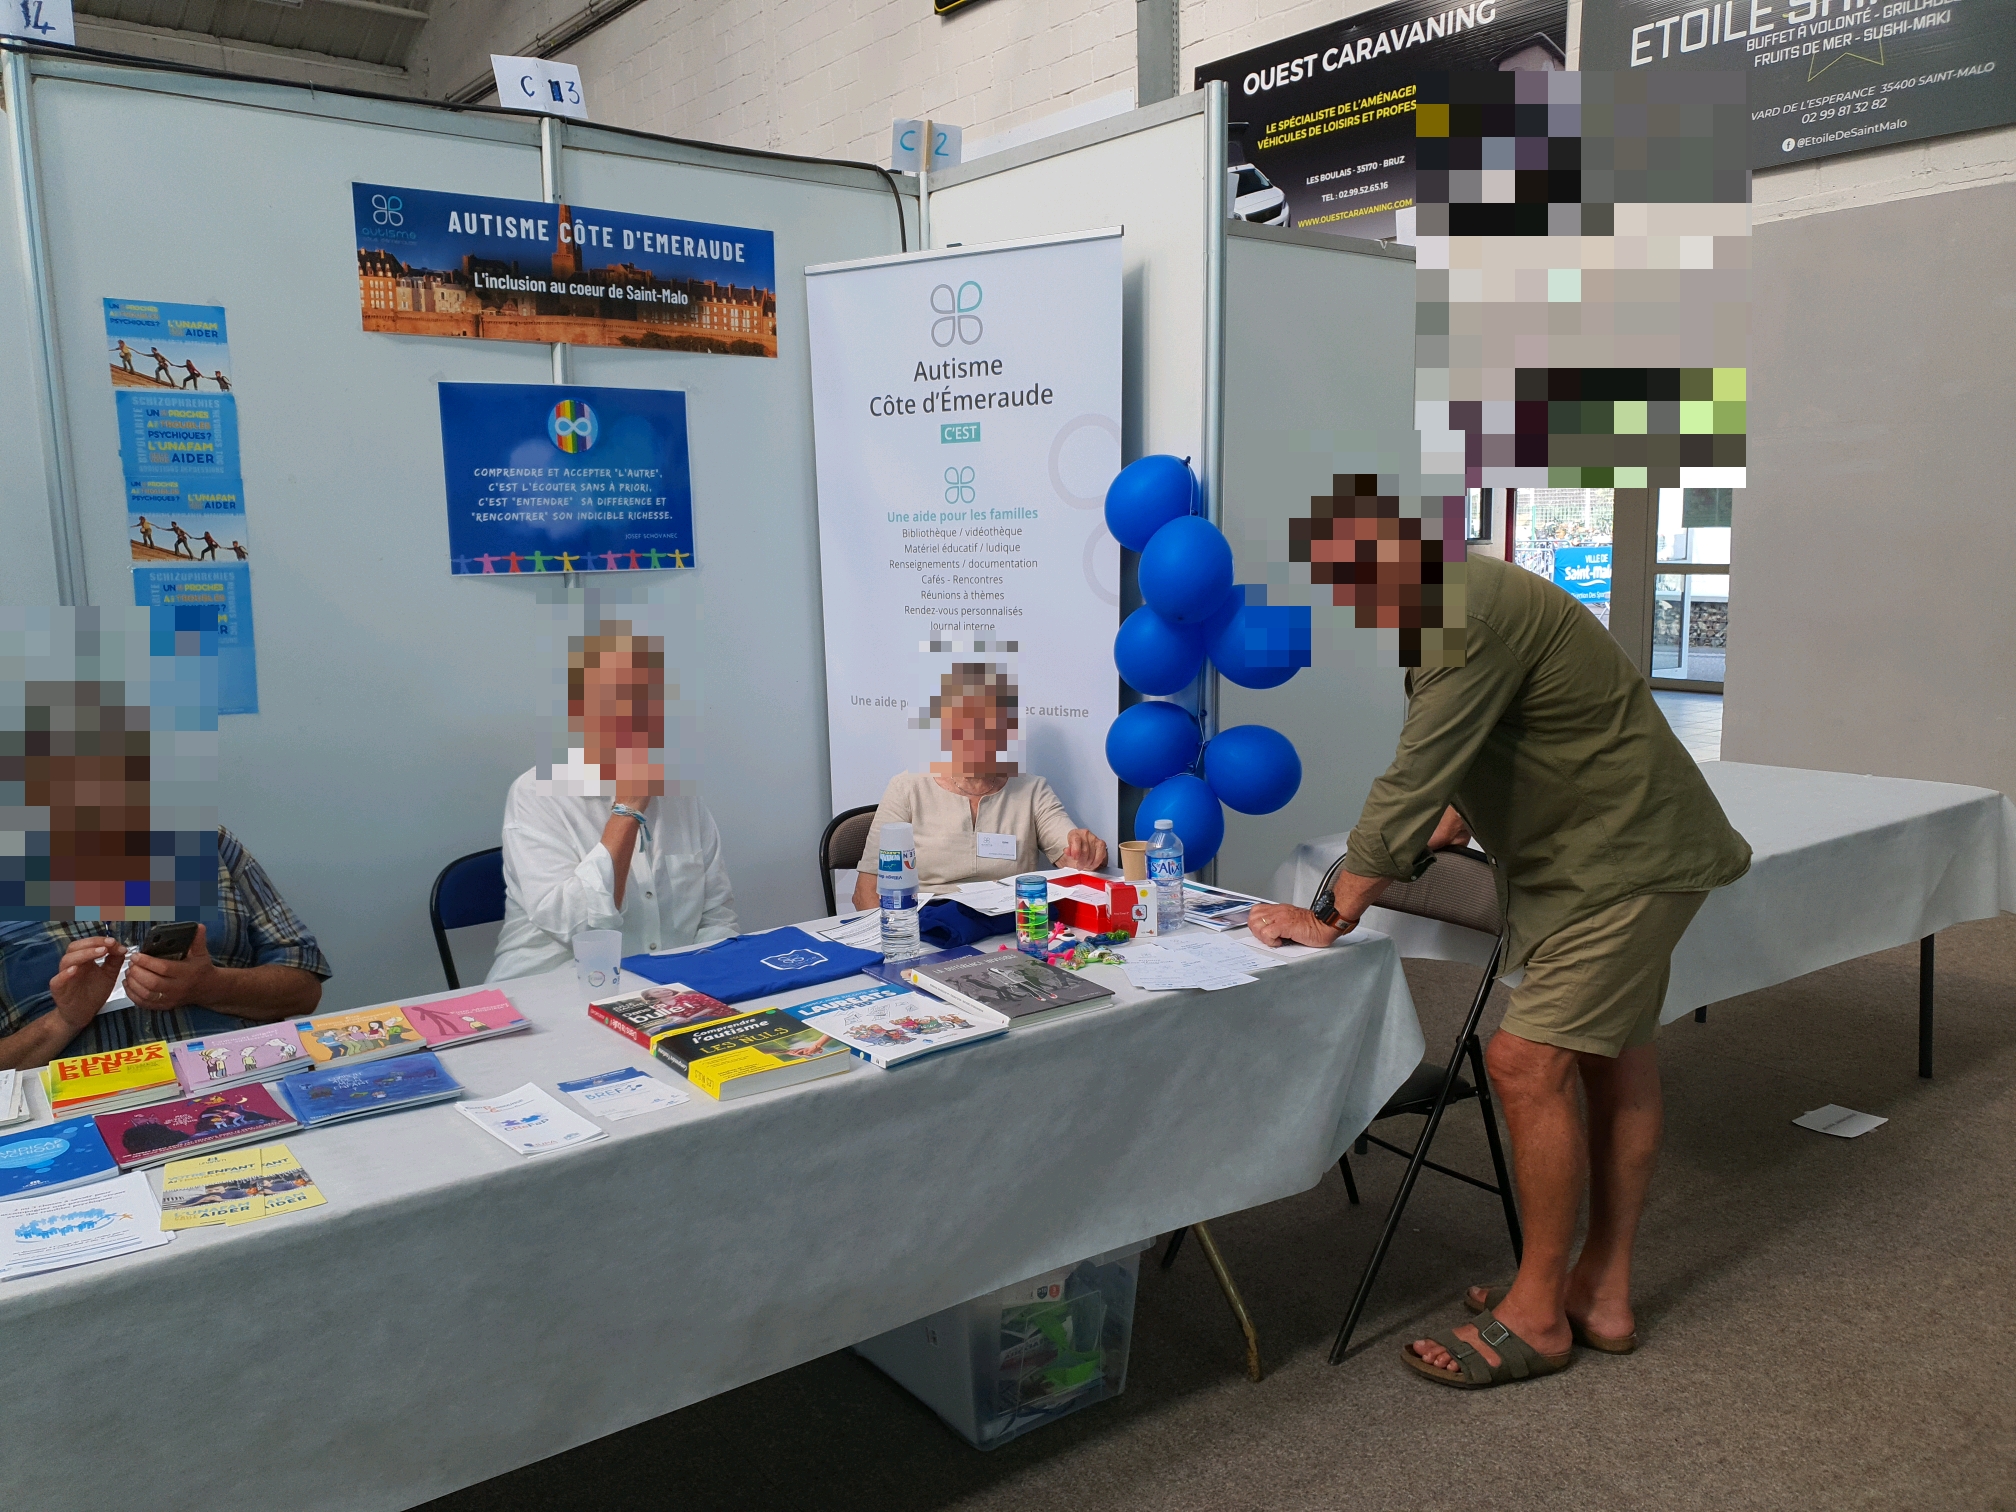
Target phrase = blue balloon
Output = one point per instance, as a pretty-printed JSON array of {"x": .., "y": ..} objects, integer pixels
[
  {"x": 1194, "y": 810},
  {"x": 1154, "y": 656},
  {"x": 1151, "y": 742},
  {"x": 1254, "y": 769},
  {"x": 1186, "y": 570},
  {"x": 1147, "y": 495},
  {"x": 1260, "y": 645}
]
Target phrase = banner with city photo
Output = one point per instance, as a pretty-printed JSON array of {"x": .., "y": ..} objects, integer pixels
[
  {"x": 1827, "y": 76},
  {"x": 1323, "y": 122},
  {"x": 966, "y": 424},
  {"x": 431, "y": 263}
]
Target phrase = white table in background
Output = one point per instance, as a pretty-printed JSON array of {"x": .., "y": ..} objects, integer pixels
[
  {"x": 1842, "y": 866},
  {"x": 456, "y": 1311}
]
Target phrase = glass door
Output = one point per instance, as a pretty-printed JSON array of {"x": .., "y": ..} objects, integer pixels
[
  {"x": 1690, "y": 589},
  {"x": 1564, "y": 535}
]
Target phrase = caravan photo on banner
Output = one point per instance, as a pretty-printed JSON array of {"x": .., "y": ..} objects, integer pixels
[{"x": 966, "y": 423}]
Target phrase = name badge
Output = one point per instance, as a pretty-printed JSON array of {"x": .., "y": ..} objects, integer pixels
[{"x": 993, "y": 847}]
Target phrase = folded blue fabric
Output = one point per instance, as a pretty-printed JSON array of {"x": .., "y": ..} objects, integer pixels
[
  {"x": 947, "y": 923},
  {"x": 753, "y": 966}
]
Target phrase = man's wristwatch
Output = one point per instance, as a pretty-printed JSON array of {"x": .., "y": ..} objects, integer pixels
[{"x": 1324, "y": 906}]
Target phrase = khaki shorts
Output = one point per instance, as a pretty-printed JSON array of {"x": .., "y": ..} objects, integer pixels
[{"x": 1597, "y": 986}]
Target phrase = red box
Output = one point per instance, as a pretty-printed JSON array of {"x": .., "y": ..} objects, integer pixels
[{"x": 1114, "y": 909}]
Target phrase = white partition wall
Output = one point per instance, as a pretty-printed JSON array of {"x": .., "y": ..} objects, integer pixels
[
  {"x": 1319, "y": 380},
  {"x": 397, "y": 702}
]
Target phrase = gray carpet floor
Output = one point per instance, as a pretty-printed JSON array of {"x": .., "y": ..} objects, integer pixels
[{"x": 1827, "y": 1323}]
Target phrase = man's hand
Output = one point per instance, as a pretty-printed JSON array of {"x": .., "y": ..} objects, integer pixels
[
  {"x": 1276, "y": 923},
  {"x": 84, "y": 979},
  {"x": 638, "y": 778},
  {"x": 157, "y": 985},
  {"x": 1084, "y": 850},
  {"x": 1450, "y": 830}
]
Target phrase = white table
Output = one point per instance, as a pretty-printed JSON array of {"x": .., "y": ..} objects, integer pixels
[
  {"x": 1842, "y": 866},
  {"x": 456, "y": 1310}
]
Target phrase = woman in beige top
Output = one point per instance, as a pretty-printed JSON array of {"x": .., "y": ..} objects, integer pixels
[{"x": 967, "y": 812}]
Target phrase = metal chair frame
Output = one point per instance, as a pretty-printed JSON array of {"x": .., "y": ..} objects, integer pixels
[
  {"x": 434, "y": 913},
  {"x": 827, "y": 861}
]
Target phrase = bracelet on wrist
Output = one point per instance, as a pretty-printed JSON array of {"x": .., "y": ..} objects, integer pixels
[{"x": 624, "y": 811}]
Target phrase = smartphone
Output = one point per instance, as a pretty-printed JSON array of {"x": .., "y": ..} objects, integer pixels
[{"x": 169, "y": 942}]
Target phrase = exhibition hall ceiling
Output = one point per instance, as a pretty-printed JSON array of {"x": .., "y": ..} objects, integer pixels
[{"x": 370, "y": 31}]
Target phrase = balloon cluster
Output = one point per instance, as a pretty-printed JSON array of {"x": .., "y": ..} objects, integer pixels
[{"x": 1195, "y": 610}]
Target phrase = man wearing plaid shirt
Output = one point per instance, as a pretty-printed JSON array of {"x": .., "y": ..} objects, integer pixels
[{"x": 261, "y": 965}]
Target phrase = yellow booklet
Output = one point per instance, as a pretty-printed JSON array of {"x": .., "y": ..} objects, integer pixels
[
  {"x": 131, "y": 1073},
  {"x": 234, "y": 1186}
]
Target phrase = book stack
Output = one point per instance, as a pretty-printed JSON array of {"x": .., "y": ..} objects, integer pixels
[
  {"x": 1020, "y": 988},
  {"x": 645, "y": 1017},
  {"x": 752, "y": 1052},
  {"x": 214, "y": 1121},
  {"x": 466, "y": 1019},
  {"x": 111, "y": 1080},
  {"x": 13, "y": 1098},
  {"x": 219, "y": 1062},
  {"x": 349, "y": 1039},
  {"x": 344, "y": 1091},
  {"x": 55, "y": 1156},
  {"x": 887, "y": 1026}
]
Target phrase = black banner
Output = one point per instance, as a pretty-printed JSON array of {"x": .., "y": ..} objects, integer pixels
[
  {"x": 1827, "y": 76},
  {"x": 1323, "y": 123}
]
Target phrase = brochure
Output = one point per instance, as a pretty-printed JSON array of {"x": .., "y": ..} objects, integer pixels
[
  {"x": 54, "y": 1157},
  {"x": 50, "y": 1231},
  {"x": 217, "y": 1061},
  {"x": 889, "y": 1025},
  {"x": 622, "y": 1094},
  {"x": 150, "y": 1136},
  {"x": 343, "y": 1092},
  {"x": 530, "y": 1121},
  {"x": 240, "y": 1186},
  {"x": 463, "y": 1020},
  {"x": 344, "y": 1039}
]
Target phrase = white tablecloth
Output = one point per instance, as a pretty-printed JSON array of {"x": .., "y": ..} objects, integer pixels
[
  {"x": 1841, "y": 866},
  {"x": 457, "y": 1310}
]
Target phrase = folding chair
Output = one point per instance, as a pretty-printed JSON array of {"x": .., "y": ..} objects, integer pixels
[
  {"x": 840, "y": 848},
  {"x": 470, "y": 890},
  {"x": 1459, "y": 887}
]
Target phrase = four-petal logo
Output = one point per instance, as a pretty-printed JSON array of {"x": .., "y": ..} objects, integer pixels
[{"x": 955, "y": 308}]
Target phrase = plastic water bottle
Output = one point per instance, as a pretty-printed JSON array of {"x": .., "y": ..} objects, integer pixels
[
  {"x": 896, "y": 887},
  {"x": 1165, "y": 876}
]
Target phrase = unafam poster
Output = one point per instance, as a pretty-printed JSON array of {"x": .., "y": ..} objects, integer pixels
[{"x": 177, "y": 405}]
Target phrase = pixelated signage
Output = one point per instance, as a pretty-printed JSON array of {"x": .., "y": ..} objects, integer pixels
[
  {"x": 436, "y": 264},
  {"x": 560, "y": 478},
  {"x": 1323, "y": 127},
  {"x": 1827, "y": 76}
]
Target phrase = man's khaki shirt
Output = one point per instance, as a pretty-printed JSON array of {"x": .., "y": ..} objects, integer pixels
[{"x": 1548, "y": 743}]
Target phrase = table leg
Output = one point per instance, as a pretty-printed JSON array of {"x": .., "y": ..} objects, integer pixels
[
  {"x": 1701, "y": 1014},
  {"x": 1238, "y": 1304},
  {"x": 1925, "y": 1007}
]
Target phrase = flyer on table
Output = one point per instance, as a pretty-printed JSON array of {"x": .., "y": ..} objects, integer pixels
[{"x": 966, "y": 419}]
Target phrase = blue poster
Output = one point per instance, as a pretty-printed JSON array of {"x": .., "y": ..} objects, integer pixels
[
  {"x": 431, "y": 263},
  {"x": 560, "y": 478},
  {"x": 1584, "y": 571},
  {"x": 226, "y": 589},
  {"x": 173, "y": 391}
]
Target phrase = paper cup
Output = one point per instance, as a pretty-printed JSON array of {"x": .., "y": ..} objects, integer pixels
[
  {"x": 598, "y": 962},
  {"x": 1134, "y": 860}
]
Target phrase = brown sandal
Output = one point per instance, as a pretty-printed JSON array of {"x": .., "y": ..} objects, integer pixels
[
  {"x": 1517, "y": 1360},
  {"x": 1601, "y": 1343}
]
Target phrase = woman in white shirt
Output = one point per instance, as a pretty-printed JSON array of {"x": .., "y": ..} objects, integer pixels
[
  {"x": 598, "y": 845},
  {"x": 974, "y": 817}
]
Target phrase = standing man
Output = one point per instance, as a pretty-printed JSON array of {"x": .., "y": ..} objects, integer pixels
[
  {"x": 1546, "y": 745},
  {"x": 181, "y": 540},
  {"x": 599, "y": 844}
]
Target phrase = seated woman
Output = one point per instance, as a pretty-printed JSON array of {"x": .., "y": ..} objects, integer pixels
[
  {"x": 600, "y": 844},
  {"x": 975, "y": 817}
]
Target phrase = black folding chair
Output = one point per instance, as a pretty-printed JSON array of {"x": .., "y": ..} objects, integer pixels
[
  {"x": 840, "y": 848},
  {"x": 1459, "y": 887},
  {"x": 470, "y": 890}
]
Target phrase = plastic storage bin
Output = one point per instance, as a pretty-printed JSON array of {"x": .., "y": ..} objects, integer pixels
[{"x": 1026, "y": 1355}]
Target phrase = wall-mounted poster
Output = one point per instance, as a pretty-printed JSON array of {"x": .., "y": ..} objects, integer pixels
[
  {"x": 562, "y": 478},
  {"x": 1827, "y": 76},
  {"x": 437, "y": 264},
  {"x": 177, "y": 402},
  {"x": 1323, "y": 122}
]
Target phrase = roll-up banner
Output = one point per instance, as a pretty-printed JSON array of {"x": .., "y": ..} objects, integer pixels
[{"x": 966, "y": 418}]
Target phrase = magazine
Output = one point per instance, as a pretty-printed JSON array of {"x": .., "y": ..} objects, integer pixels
[{"x": 889, "y": 1025}]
